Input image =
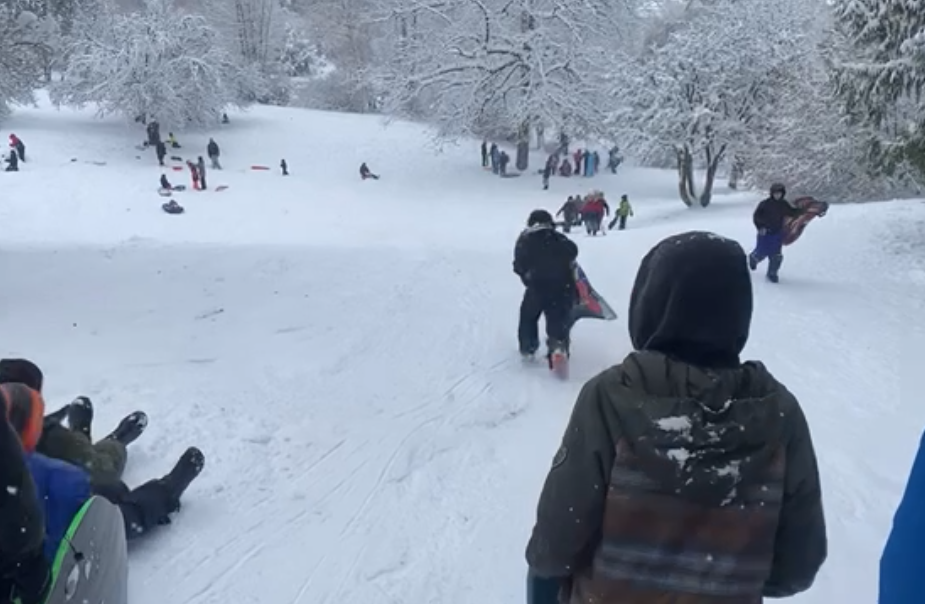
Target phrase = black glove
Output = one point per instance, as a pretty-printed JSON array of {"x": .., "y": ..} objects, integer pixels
[{"x": 28, "y": 581}]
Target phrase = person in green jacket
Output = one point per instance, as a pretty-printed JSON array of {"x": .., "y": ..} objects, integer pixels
[
  {"x": 105, "y": 459},
  {"x": 623, "y": 211}
]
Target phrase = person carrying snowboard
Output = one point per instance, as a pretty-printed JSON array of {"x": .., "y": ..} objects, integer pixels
[
  {"x": 624, "y": 210},
  {"x": 63, "y": 488},
  {"x": 543, "y": 259},
  {"x": 769, "y": 220},
  {"x": 684, "y": 474},
  {"x": 104, "y": 460},
  {"x": 213, "y": 152}
]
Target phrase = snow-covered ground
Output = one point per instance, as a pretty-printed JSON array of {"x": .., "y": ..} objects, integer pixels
[{"x": 344, "y": 352}]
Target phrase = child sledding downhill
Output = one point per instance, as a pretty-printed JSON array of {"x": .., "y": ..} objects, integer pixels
[{"x": 60, "y": 490}]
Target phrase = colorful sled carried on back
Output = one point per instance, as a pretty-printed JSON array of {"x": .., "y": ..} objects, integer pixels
[
  {"x": 590, "y": 303},
  {"x": 91, "y": 565},
  {"x": 794, "y": 227}
]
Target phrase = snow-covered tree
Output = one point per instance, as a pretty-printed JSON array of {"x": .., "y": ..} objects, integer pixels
[
  {"x": 159, "y": 63},
  {"x": 883, "y": 80},
  {"x": 504, "y": 67},
  {"x": 24, "y": 54},
  {"x": 702, "y": 83}
]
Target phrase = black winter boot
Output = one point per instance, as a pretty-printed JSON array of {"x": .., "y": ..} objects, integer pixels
[
  {"x": 774, "y": 263},
  {"x": 188, "y": 467},
  {"x": 80, "y": 415},
  {"x": 130, "y": 428}
]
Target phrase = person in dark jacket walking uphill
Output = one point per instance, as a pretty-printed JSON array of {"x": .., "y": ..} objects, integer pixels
[
  {"x": 769, "y": 220},
  {"x": 685, "y": 475},
  {"x": 543, "y": 260},
  {"x": 214, "y": 153}
]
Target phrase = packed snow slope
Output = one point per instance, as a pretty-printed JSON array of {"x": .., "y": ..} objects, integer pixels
[{"x": 344, "y": 352}]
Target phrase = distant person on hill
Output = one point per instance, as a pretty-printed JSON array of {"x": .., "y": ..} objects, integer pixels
[
  {"x": 769, "y": 220},
  {"x": 225, "y": 119},
  {"x": 570, "y": 212},
  {"x": 201, "y": 166},
  {"x": 12, "y": 162},
  {"x": 484, "y": 154},
  {"x": 154, "y": 132},
  {"x": 624, "y": 210},
  {"x": 593, "y": 212},
  {"x": 172, "y": 140},
  {"x": 503, "y": 160},
  {"x": 565, "y": 169},
  {"x": 20, "y": 148},
  {"x": 284, "y": 167},
  {"x": 365, "y": 173},
  {"x": 213, "y": 152},
  {"x": 165, "y": 184},
  {"x": 194, "y": 173},
  {"x": 685, "y": 474},
  {"x": 161, "y": 150},
  {"x": 494, "y": 156},
  {"x": 548, "y": 170}
]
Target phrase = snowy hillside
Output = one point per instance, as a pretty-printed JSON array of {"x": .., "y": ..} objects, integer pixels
[{"x": 344, "y": 352}]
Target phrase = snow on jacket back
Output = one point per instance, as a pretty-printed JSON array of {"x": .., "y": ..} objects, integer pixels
[
  {"x": 62, "y": 488},
  {"x": 901, "y": 563}
]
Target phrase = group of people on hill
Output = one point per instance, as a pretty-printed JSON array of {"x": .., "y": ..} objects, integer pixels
[
  {"x": 17, "y": 154},
  {"x": 197, "y": 169},
  {"x": 495, "y": 158},
  {"x": 591, "y": 210},
  {"x": 50, "y": 471}
]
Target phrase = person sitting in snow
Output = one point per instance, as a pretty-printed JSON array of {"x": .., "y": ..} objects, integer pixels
[
  {"x": 172, "y": 140},
  {"x": 104, "y": 460},
  {"x": 20, "y": 147},
  {"x": 12, "y": 162},
  {"x": 165, "y": 184},
  {"x": 684, "y": 474},
  {"x": 769, "y": 220},
  {"x": 365, "y": 173},
  {"x": 62, "y": 488},
  {"x": 566, "y": 168}
]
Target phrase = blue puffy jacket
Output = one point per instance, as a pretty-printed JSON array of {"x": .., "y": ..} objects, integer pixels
[
  {"x": 901, "y": 580},
  {"x": 62, "y": 488}
]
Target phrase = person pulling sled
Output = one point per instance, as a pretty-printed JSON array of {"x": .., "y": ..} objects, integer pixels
[
  {"x": 543, "y": 259},
  {"x": 571, "y": 213},
  {"x": 769, "y": 219}
]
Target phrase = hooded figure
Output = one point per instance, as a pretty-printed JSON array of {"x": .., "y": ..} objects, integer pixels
[
  {"x": 685, "y": 474},
  {"x": 901, "y": 562},
  {"x": 543, "y": 259}
]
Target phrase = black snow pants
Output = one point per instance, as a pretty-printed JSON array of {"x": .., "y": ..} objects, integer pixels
[
  {"x": 556, "y": 307},
  {"x": 143, "y": 508}
]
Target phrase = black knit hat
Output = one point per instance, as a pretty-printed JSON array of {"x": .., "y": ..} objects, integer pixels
[
  {"x": 22, "y": 371},
  {"x": 540, "y": 217}
]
